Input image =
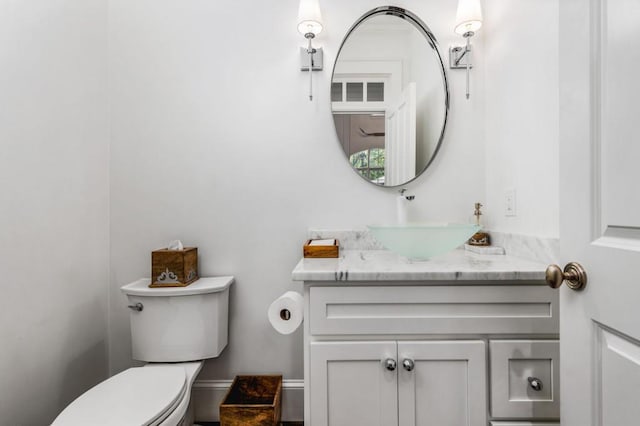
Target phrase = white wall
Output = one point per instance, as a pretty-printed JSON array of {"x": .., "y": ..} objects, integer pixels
[
  {"x": 53, "y": 205},
  {"x": 214, "y": 141},
  {"x": 521, "y": 114}
]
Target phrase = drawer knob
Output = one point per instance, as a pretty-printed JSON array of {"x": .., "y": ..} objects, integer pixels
[
  {"x": 408, "y": 364},
  {"x": 390, "y": 364},
  {"x": 535, "y": 383}
]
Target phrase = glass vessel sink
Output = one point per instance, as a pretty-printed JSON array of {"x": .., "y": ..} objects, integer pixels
[{"x": 423, "y": 241}]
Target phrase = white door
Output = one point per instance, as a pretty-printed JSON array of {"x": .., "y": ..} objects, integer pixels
[
  {"x": 400, "y": 138},
  {"x": 350, "y": 386},
  {"x": 442, "y": 383},
  {"x": 600, "y": 211}
]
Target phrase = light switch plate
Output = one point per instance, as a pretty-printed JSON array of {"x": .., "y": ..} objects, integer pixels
[{"x": 510, "y": 202}]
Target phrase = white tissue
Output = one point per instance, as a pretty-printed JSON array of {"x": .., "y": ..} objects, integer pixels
[
  {"x": 175, "y": 245},
  {"x": 328, "y": 242},
  {"x": 286, "y": 312}
]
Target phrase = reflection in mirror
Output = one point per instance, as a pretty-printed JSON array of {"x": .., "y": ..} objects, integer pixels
[{"x": 389, "y": 96}]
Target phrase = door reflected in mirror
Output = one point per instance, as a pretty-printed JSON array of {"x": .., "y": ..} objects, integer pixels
[{"x": 389, "y": 96}]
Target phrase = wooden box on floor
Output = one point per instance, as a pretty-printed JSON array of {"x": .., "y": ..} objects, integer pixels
[
  {"x": 252, "y": 401},
  {"x": 174, "y": 268}
]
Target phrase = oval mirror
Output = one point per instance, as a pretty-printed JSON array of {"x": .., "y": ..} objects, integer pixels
[{"x": 389, "y": 96}]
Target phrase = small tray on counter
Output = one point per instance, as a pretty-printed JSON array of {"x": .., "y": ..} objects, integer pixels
[{"x": 325, "y": 248}]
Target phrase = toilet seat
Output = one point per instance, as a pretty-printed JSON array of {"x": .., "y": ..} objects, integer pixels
[{"x": 137, "y": 396}]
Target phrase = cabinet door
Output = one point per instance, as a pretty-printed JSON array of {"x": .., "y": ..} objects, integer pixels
[
  {"x": 447, "y": 385},
  {"x": 350, "y": 386}
]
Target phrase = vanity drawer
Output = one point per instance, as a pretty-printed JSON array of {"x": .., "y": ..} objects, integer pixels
[
  {"x": 514, "y": 366},
  {"x": 452, "y": 309}
]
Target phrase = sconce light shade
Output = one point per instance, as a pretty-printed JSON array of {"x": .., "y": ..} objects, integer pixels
[
  {"x": 468, "y": 16},
  {"x": 309, "y": 17}
]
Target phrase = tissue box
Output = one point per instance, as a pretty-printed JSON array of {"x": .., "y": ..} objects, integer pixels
[
  {"x": 327, "y": 248},
  {"x": 174, "y": 268},
  {"x": 252, "y": 401}
]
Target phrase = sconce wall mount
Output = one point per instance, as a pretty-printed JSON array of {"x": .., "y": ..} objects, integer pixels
[
  {"x": 317, "y": 57},
  {"x": 310, "y": 25},
  {"x": 468, "y": 21},
  {"x": 460, "y": 56}
]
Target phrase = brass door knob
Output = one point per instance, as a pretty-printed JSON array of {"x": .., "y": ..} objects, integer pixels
[{"x": 574, "y": 274}]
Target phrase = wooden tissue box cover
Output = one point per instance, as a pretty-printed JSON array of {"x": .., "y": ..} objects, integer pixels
[
  {"x": 174, "y": 268},
  {"x": 329, "y": 251},
  {"x": 252, "y": 401}
]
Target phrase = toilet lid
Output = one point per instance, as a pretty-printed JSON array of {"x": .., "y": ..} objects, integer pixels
[{"x": 137, "y": 396}]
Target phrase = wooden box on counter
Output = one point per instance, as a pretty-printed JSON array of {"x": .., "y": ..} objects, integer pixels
[
  {"x": 174, "y": 268},
  {"x": 252, "y": 401},
  {"x": 330, "y": 249}
]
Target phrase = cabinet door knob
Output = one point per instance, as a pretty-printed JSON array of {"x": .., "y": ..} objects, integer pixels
[
  {"x": 390, "y": 364},
  {"x": 408, "y": 364},
  {"x": 535, "y": 383}
]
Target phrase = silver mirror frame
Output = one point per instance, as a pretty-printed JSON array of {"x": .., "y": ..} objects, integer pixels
[{"x": 431, "y": 39}]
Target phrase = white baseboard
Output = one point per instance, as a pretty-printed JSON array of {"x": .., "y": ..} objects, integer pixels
[{"x": 206, "y": 396}]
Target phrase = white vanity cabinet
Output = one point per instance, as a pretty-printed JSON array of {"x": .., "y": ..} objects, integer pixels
[
  {"x": 390, "y": 383},
  {"x": 432, "y": 353},
  {"x": 459, "y": 340}
]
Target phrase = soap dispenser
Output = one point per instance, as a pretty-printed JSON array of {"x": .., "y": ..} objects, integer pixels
[{"x": 480, "y": 238}]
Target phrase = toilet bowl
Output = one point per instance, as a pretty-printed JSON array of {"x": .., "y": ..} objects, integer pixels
[{"x": 174, "y": 329}]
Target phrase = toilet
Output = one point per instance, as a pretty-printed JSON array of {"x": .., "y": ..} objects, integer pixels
[{"x": 173, "y": 329}]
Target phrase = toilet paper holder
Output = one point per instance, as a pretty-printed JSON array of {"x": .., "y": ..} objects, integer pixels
[{"x": 285, "y": 314}]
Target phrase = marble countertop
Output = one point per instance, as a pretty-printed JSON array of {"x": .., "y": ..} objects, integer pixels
[{"x": 383, "y": 265}]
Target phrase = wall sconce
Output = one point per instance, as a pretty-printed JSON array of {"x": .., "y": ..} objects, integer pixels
[
  {"x": 468, "y": 21},
  {"x": 310, "y": 25}
]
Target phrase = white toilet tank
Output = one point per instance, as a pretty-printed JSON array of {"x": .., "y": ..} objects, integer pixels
[{"x": 177, "y": 324}]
